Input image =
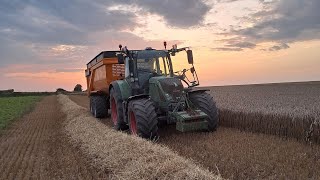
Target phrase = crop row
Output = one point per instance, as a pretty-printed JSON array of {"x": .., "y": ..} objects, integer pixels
[{"x": 287, "y": 110}]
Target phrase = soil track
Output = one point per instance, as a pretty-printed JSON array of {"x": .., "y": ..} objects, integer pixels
[
  {"x": 80, "y": 100},
  {"x": 35, "y": 147},
  {"x": 241, "y": 155}
]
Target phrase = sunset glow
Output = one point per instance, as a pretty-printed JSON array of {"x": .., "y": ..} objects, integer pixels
[{"x": 46, "y": 45}]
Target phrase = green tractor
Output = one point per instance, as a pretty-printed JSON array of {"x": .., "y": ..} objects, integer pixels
[{"x": 152, "y": 93}]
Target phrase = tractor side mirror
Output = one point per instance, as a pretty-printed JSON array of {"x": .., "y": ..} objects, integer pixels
[
  {"x": 192, "y": 70},
  {"x": 120, "y": 59},
  {"x": 190, "y": 56}
]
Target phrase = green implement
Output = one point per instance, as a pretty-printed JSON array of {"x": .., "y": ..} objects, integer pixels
[{"x": 191, "y": 120}]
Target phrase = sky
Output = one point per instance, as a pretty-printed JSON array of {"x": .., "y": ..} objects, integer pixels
[{"x": 45, "y": 45}]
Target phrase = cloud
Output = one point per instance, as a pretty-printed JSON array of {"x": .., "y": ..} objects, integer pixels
[
  {"x": 14, "y": 52},
  {"x": 226, "y": 1},
  {"x": 235, "y": 44},
  {"x": 69, "y": 70},
  {"x": 70, "y": 22},
  {"x": 279, "y": 47},
  {"x": 35, "y": 32},
  {"x": 242, "y": 45},
  {"x": 178, "y": 13},
  {"x": 60, "y": 22},
  {"x": 284, "y": 22},
  {"x": 227, "y": 49}
]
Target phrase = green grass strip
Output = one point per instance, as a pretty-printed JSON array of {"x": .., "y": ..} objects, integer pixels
[{"x": 14, "y": 107}]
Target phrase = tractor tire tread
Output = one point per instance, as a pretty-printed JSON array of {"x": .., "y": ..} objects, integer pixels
[
  {"x": 121, "y": 125},
  {"x": 205, "y": 103},
  {"x": 146, "y": 118},
  {"x": 100, "y": 106}
]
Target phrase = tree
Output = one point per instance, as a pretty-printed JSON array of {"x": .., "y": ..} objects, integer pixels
[
  {"x": 60, "y": 90},
  {"x": 78, "y": 88}
]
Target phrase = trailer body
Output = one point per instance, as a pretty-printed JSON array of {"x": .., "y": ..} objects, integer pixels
[{"x": 102, "y": 71}]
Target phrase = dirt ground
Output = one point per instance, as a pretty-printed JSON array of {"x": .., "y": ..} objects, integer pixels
[
  {"x": 80, "y": 100},
  {"x": 35, "y": 147},
  {"x": 241, "y": 155}
]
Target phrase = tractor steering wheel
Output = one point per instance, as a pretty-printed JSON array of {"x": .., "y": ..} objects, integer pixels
[{"x": 182, "y": 72}]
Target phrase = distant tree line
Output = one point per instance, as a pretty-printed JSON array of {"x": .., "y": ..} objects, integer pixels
[
  {"x": 8, "y": 91},
  {"x": 11, "y": 92}
]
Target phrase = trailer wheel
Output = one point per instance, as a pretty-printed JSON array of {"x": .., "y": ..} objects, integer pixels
[
  {"x": 143, "y": 119},
  {"x": 205, "y": 103},
  {"x": 117, "y": 110},
  {"x": 91, "y": 104},
  {"x": 98, "y": 106}
]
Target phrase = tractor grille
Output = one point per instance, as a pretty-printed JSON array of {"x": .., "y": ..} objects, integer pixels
[{"x": 173, "y": 87}]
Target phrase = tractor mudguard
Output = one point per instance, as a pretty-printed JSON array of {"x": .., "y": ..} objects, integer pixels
[
  {"x": 140, "y": 96},
  {"x": 198, "y": 90},
  {"x": 123, "y": 87},
  {"x": 126, "y": 102}
]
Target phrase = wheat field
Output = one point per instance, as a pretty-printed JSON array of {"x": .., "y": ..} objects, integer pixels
[{"x": 286, "y": 109}]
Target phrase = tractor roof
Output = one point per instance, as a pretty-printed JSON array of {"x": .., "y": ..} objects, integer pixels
[{"x": 113, "y": 54}]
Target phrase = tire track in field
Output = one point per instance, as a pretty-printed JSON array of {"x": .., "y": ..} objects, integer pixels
[
  {"x": 36, "y": 147},
  {"x": 240, "y": 155}
]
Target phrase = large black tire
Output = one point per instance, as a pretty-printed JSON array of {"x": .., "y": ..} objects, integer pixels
[
  {"x": 143, "y": 119},
  {"x": 98, "y": 106},
  {"x": 101, "y": 109},
  {"x": 117, "y": 110},
  {"x": 91, "y": 104},
  {"x": 205, "y": 103}
]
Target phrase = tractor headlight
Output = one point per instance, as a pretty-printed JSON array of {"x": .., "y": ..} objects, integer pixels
[
  {"x": 168, "y": 96},
  {"x": 182, "y": 106}
]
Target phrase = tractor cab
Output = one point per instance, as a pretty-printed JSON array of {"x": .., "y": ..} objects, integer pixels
[
  {"x": 149, "y": 64},
  {"x": 142, "y": 65}
]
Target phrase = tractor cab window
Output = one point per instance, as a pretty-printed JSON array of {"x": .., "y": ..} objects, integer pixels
[
  {"x": 153, "y": 61},
  {"x": 147, "y": 65},
  {"x": 163, "y": 66},
  {"x": 157, "y": 65}
]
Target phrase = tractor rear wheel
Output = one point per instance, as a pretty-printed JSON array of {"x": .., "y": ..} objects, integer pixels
[
  {"x": 98, "y": 106},
  {"x": 205, "y": 103},
  {"x": 143, "y": 119},
  {"x": 117, "y": 110}
]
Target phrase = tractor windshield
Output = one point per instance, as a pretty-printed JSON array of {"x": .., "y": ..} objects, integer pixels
[{"x": 154, "y": 62}]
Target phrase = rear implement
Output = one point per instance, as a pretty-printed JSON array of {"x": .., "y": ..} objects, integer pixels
[{"x": 193, "y": 121}]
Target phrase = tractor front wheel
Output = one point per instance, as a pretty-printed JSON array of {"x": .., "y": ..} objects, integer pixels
[
  {"x": 205, "y": 103},
  {"x": 143, "y": 119}
]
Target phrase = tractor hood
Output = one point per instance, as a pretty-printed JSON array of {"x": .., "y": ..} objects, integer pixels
[{"x": 171, "y": 88}]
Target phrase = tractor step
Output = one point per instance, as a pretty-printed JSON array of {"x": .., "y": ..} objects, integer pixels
[{"x": 187, "y": 121}]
